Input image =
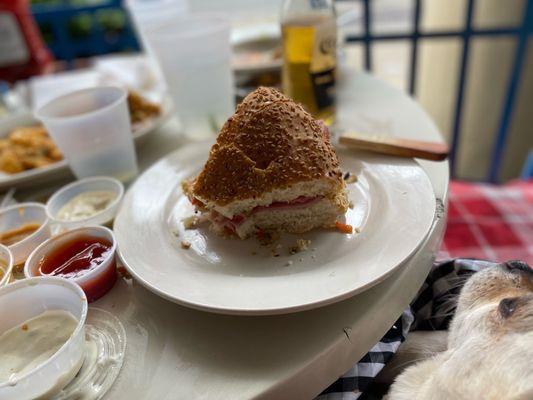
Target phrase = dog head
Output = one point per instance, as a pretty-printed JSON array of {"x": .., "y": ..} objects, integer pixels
[
  {"x": 490, "y": 343},
  {"x": 495, "y": 301}
]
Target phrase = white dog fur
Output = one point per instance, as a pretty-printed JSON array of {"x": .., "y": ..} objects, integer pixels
[{"x": 489, "y": 352}]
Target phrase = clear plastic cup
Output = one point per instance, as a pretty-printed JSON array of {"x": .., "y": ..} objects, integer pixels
[
  {"x": 149, "y": 13},
  {"x": 6, "y": 265},
  {"x": 16, "y": 216},
  {"x": 92, "y": 129},
  {"x": 94, "y": 184},
  {"x": 26, "y": 299},
  {"x": 194, "y": 54},
  {"x": 96, "y": 282}
]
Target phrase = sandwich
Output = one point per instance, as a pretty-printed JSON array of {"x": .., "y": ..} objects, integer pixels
[{"x": 272, "y": 169}]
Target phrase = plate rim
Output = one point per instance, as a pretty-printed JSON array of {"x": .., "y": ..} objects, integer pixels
[{"x": 277, "y": 310}]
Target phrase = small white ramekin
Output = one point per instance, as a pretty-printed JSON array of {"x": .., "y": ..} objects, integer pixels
[
  {"x": 24, "y": 213},
  {"x": 7, "y": 268},
  {"x": 94, "y": 283},
  {"x": 92, "y": 184},
  {"x": 26, "y": 299}
]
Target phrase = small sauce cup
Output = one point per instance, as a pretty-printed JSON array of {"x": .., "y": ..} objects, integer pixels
[
  {"x": 96, "y": 282},
  {"x": 18, "y": 215},
  {"x": 27, "y": 299},
  {"x": 6, "y": 266},
  {"x": 70, "y": 191}
]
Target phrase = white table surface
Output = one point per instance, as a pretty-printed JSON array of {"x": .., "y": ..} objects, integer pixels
[{"x": 179, "y": 353}]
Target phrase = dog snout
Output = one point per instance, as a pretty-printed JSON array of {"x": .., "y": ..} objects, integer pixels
[{"x": 518, "y": 266}]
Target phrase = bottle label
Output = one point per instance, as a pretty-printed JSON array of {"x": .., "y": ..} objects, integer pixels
[
  {"x": 13, "y": 48},
  {"x": 323, "y": 63}
]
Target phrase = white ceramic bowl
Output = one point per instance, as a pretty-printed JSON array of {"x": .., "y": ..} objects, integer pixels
[
  {"x": 7, "y": 265},
  {"x": 27, "y": 299},
  {"x": 18, "y": 215},
  {"x": 93, "y": 184},
  {"x": 94, "y": 283}
]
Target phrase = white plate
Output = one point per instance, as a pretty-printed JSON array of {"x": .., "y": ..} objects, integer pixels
[
  {"x": 61, "y": 167},
  {"x": 394, "y": 207}
]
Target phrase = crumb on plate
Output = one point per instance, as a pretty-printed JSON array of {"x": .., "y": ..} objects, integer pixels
[
  {"x": 191, "y": 222},
  {"x": 123, "y": 272},
  {"x": 301, "y": 245},
  {"x": 185, "y": 245},
  {"x": 266, "y": 238},
  {"x": 350, "y": 178}
]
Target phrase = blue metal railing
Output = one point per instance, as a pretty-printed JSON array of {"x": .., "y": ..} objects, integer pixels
[
  {"x": 59, "y": 19},
  {"x": 522, "y": 33}
]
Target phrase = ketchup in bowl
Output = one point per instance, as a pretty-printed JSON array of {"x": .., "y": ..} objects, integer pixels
[
  {"x": 76, "y": 257},
  {"x": 87, "y": 260}
]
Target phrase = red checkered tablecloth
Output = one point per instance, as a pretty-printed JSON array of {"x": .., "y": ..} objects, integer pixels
[{"x": 490, "y": 222}]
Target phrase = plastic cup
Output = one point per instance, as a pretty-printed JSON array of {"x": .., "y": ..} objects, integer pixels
[
  {"x": 6, "y": 266},
  {"x": 147, "y": 14},
  {"x": 68, "y": 192},
  {"x": 194, "y": 54},
  {"x": 92, "y": 128},
  {"x": 17, "y": 215},
  {"x": 26, "y": 299},
  {"x": 95, "y": 283}
]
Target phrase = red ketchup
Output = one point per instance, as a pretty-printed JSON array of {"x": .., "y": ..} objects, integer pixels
[{"x": 76, "y": 259}]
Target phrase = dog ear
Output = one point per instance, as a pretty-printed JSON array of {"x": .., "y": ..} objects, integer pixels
[{"x": 517, "y": 265}]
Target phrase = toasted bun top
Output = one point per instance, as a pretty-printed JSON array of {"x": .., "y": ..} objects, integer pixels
[{"x": 269, "y": 143}]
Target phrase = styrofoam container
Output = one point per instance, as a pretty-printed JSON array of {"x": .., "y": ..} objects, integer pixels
[
  {"x": 24, "y": 213},
  {"x": 93, "y": 184},
  {"x": 7, "y": 265},
  {"x": 94, "y": 283},
  {"x": 27, "y": 299}
]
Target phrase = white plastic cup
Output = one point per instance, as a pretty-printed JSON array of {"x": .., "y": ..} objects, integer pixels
[
  {"x": 147, "y": 14},
  {"x": 15, "y": 216},
  {"x": 95, "y": 283},
  {"x": 7, "y": 265},
  {"x": 194, "y": 54},
  {"x": 92, "y": 129},
  {"x": 26, "y": 299},
  {"x": 94, "y": 184}
]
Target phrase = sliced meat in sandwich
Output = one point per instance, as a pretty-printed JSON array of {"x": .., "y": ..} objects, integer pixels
[{"x": 272, "y": 168}]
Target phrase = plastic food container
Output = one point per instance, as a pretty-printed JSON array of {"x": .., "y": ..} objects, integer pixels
[
  {"x": 24, "y": 213},
  {"x": 30, "y": 298},
  {"x": 95, "y": 184},
  {"x": 95, "y": 283},
  {"x": 7, "y": 265},
  {"x": 92, "y": 129}
]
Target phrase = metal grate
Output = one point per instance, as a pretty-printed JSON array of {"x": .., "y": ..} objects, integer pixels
[
  {"x": 521, "y": 33},
  {"x": 57, "y": 19}
]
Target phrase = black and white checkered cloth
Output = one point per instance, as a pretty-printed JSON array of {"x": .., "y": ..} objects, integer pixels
[{"x": 432, "y": 309}]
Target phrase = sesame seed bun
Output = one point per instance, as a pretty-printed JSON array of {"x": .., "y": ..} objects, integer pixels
[{"x": 270, "y": 143}]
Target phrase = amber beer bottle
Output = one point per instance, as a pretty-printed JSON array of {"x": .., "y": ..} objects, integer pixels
[{"x": 309, "y": 55}]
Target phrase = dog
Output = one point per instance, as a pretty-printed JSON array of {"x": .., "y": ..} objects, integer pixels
[{"x": 489, "y": 352}]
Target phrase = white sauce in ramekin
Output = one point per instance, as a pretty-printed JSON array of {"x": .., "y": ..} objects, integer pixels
[{"x": 33, "y": 342}]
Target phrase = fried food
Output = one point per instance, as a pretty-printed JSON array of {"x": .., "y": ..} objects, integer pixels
[
  {"x": 140, "y": 108},
  {"x": 26, "y": 148}
]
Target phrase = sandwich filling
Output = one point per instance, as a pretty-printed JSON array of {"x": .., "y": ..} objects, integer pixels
[{"x": 231, "y": 224}]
